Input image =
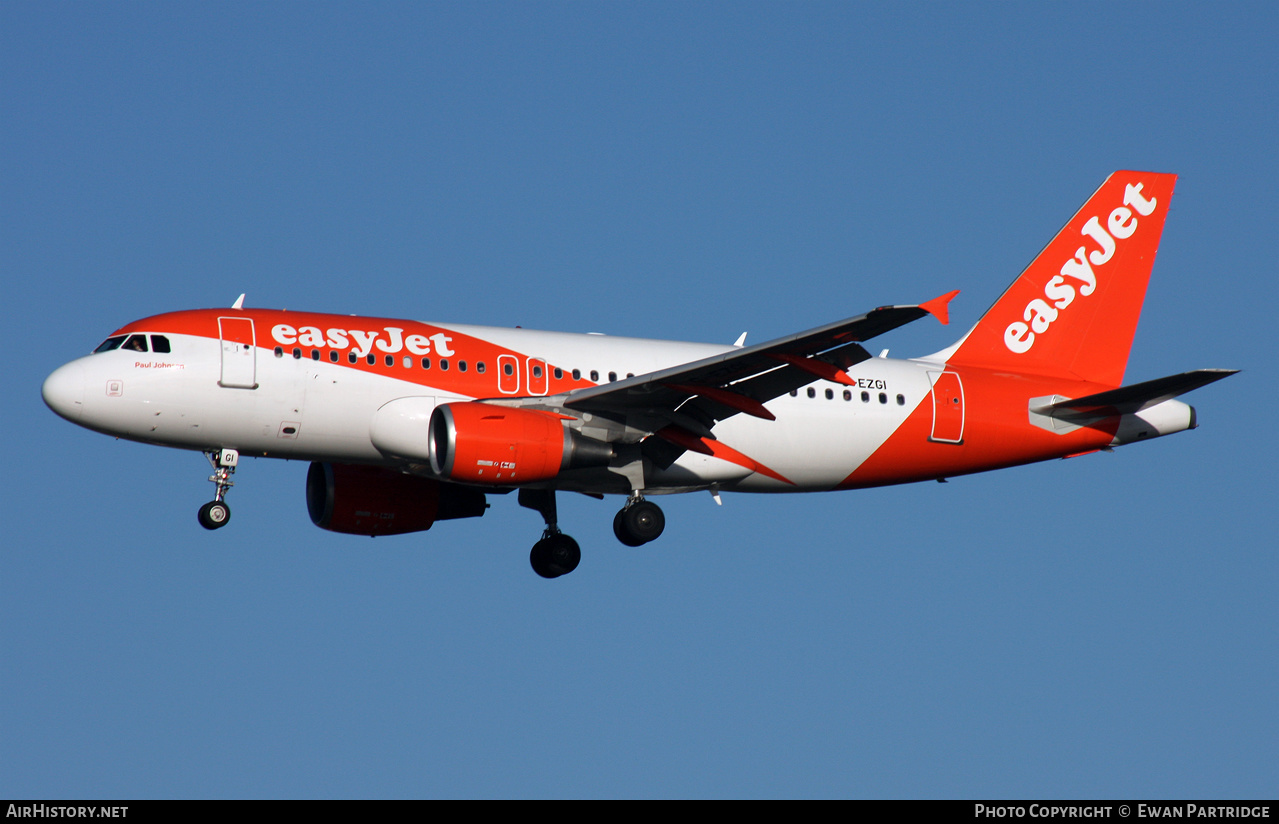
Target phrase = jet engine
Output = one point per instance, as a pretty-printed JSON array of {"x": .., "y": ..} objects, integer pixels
[
  {"x": 499, "y": 445},
  {"x": 369, "y": 500}
]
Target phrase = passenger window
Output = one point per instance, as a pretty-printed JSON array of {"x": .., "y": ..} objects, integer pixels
[
  {"x": 109, "y": 344},
  {"x": 812, "y": 393},
  {"x": 297, "y": 353},
  {"x": 159, "y": 343},
  {"x": 136, "y": 343},
  {"x": 444, "y": 364},
  {"x": 577, "y": 374},
  {"x": 371, "y": 359},
  {"x": 883, "y": 398},
  {"x": 279, "y": 351},
  {"x": 559, "y": 373},
  {"x": 612, "y": 376},
  {"x": 848, "y": 396},
  {"x": 901, "y": 400},
  {"x": 352, "y": 357},
  {"x": 479, "y": 367},
  {"x": 461, "y": 366},
  {"x": 315, "y": 354},
  {"x": 426, "y": 363},
  {"x": 333, "y": 356},
  {"x": 865, "y": 397},
  {"x": 390, "y": 360},
  {"x": 595, "y": 376}
]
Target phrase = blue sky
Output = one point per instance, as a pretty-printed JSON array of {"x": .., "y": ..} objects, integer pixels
[{"x": 1104, "y": 626}]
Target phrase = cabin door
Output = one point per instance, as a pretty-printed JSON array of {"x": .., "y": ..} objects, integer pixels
[
  {"x": 948, "y": 408},
  {"x": 239, "y": 353}
]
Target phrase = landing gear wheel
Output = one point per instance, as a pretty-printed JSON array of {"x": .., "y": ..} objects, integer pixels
[
  {"x": 639, "y": 523},
  {"x": 619, "y": 529},
  {"x": 555, "y": 555},
  {"x": 214, "y": 515}
]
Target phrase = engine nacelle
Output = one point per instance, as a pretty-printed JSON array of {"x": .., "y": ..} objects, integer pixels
[
  {"x": 369, "y": 500},
  {"x": 481, "y": 443}
]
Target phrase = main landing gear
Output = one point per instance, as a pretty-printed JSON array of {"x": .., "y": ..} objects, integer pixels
[
  {"x": 638, "y": 522},
  {"x": 216, "y": 514},
  {"x": 557, "y": 554}
]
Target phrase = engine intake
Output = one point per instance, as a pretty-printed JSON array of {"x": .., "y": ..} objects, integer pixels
[{"x": 486, "y": 444}]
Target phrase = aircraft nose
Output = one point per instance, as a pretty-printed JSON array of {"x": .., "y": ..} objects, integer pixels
[{"x": 63, "y": 391}]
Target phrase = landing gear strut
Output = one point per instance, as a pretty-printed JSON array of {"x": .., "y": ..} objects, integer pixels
[
  {"x": 215, "y": 514},
  {"x": 638, "y": 522},
  {"x": 556, "y": 554}
]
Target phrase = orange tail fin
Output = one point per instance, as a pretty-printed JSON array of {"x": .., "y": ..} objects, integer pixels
[{"x": 1074, "y": 310}]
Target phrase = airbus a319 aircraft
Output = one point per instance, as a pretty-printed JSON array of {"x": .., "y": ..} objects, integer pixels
[{"x": 408, "y": 423}]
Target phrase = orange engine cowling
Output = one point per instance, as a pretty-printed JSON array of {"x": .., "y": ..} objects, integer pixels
[
  {"x": 369, "y": 500},
  {"x": 481, "y": 443}
]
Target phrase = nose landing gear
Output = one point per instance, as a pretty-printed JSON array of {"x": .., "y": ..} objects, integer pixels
[{"x": 216, "y": 514}]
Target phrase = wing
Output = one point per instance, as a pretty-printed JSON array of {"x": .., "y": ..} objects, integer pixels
[{"x": 683, "y": 403}]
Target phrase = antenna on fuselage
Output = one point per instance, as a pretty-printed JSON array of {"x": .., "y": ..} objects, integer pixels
[{"x": 239, "y": 302}]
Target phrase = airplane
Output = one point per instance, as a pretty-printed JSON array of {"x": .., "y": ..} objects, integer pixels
[{"x": 407, "y": 423}]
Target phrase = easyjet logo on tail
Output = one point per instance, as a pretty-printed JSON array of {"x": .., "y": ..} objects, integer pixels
[{"x": 1077, "y": 274}]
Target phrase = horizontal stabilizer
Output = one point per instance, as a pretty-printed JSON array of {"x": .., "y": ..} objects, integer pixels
[{"x": 1130, "y": 399}]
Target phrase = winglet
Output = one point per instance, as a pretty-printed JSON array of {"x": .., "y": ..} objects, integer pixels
[
  {"x": 938, "y": 307},
  {"x": 239, "y": 302}
]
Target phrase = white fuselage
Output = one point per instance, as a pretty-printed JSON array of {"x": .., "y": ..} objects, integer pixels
[{"x": 278, "y": 405}]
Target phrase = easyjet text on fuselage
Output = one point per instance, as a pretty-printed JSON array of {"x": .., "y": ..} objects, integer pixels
[{"x": 363, "y": 341}]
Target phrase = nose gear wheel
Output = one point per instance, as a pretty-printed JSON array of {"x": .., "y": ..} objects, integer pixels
[{"x": 216, "y": 513}]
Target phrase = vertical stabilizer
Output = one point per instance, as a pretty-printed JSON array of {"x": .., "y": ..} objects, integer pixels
[{"x": 1074, "y": 310}]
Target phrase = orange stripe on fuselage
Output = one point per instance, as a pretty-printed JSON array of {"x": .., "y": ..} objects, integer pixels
[
  {"x": 718, "y": 449},
  {"x": 997, "y": 433},
  {"x": 367, "y": 335}
]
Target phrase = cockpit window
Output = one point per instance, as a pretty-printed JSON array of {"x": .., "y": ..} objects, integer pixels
[
  {"x": 135, "y": 343},
  {"x": 109, "y": 344}
]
